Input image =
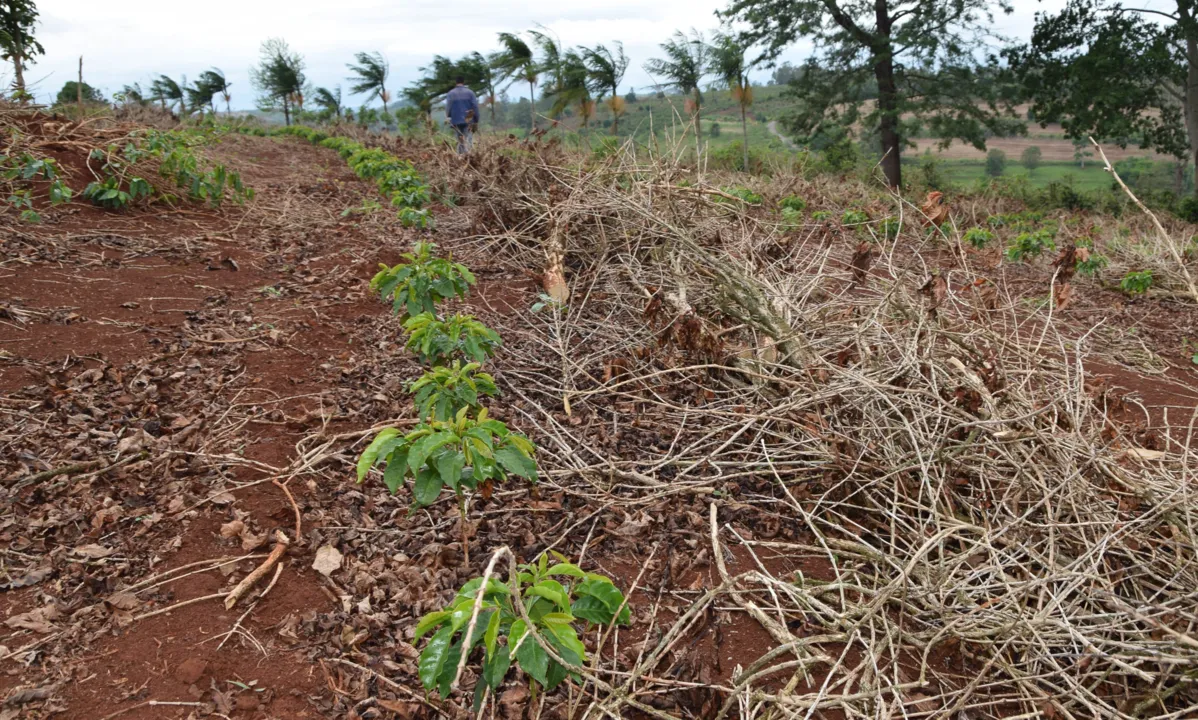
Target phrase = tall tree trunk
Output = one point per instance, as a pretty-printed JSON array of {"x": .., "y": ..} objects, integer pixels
[
  {"x": 228, "y": 110},
  {"x": 887, "y": 98},
  {"x": 383, "y": 97},
  {"x": 698, "y": 132},
  {"x": 1191, "y": 102},
  {"x": 18, "y": 67},
  {"x": 744, "y": 128},
  {"x": 286, "y": 112},
  {"x": 79, "y": 86},
  {"x": 532, "y": 106}
]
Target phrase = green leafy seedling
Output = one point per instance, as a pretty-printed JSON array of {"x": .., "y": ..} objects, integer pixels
[
  {"x": 437, "y": 342},
  {"x": 443, "y": 391},
  {"x": 793, "y": 202},
  {"x": 416, "y": 286},
  {"x": 559, "y": 599},
  {"x": 1031, "y": 244},
  {"x": 979, "y": 238},
  {"x": 461, "y": 454},
  {"x": 1136, "y": 283}
]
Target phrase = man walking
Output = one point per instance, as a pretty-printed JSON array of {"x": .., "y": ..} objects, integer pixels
[{"x": 461, "y": 108}]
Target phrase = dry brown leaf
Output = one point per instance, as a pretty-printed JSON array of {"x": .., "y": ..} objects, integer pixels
[
  {"x": 328, "y": 560},
  {"x": 935, "y": 209},
  {"x": 40, "y": 620}
]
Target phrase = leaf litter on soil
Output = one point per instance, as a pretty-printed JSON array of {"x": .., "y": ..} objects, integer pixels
[{"x": 819, "y": 496}]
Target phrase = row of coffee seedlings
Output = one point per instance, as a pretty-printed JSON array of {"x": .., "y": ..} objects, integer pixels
[{"x": 534, "y": 618}]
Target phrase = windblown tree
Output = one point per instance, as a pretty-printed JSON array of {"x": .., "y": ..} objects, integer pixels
[
  {"x": 201, "y": 94},
  {"x": 168, "y": 92},
  {"x": 279, "y": 77},
  {"x": 683, "y": 68},
  {"x": 131, "y": 95},
  {"x": 370, "y": 76},
  {"x": 572, "y": 88},
  {"x": 551, "y": 63},
  {"x": 605, "y": 71},
  {"x": 920, "y": 55},
  {"x": 419, "y": 97},
  {"x": 729, "y": 65},
  {"x": 1119, "y": 73},
  {"x": 480, "y": 75},
  {"x": 17, "y": 19},
  {"x": 517, "y": 62},
  {"x": 329, "y": 101},
  {"x": 214, "y": 80}
]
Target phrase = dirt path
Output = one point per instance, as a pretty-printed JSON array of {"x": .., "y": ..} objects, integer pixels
[
  {"x": 772, "y": 125},
  {"x": 209, "y": 343}
]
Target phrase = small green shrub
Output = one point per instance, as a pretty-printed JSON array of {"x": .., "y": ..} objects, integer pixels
[
  {"x": 423, "y": 281},
  {"x": 1029, "y": 245},
  {"x": 744, "y": 194},
  {"x": 460, "y": 454},
  {"x": 557, "y": 598},
  {"x": 791, "y": 218},
  {"x": 854, "y": 217},
  {"x": 437, "y": 342},
  {"x": 1136, "y": 283},
  {"x": 109, "y": 194},
  {"x": 413, "y": 218},
  {"x": 1092, "y": 264},
  {"x": 821, "y": 215},
  {"x": 890, "y": 229},
  {"x": 978, "y": 237},
  {"x": 793, "y": 202},
  {"x": 443, "y": 391}
]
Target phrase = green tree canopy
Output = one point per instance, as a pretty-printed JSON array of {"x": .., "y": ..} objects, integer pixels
[
  {"x": 17, "y": 20},
  {"x": 605, "y": 71},
  {"x": 279, "y": 78},
  {"x": 70, "y": 94},
  {"x": 517, "y": 62},
  {"x": 731, "y": 67},
  {"x": 164, "y": 89},
  {"x": 996, "y": 162},
  {"x": 213, "y": 84},
  {"x": 1031, "y": 158},
  {"x": 921, "y": 55},
  {"x": 370, "y": 76},
  {"x": 328, "y": 101},
  {"x": 1122, "y": 74}
]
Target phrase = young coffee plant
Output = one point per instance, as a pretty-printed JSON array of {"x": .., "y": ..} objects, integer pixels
[
  {"x": 1093, "y": 263},
  {"x": 1030, "y": 244},
  {"x": 107, "y": 193},
  {"x": 416, "y": 286},
  {"x": 745, "y": 194},
  {"x": 419, "y": 219},
  {"x": 793, "y": 202},
  {"x": 22, "y": 201},
  {"x": 443, "y": 391},
  {"x": 1137, "y": 282},
  {"x": 854, "y": 217},
  {"x": 463, "y": 453},
  {"x": 559, "y": 600},
  {"x": 437, "y": 342},
  {"x": 979, "y": 238}
]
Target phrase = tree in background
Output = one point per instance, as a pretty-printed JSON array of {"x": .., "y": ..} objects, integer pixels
[
  {"x": 1030, "y": 158},
  {"x": 164, "y": 89},
  {"x": 17, "y": 19},
  {"x": 517, "y": 62},
  {"x": 1121, "y": 74},
  {"x": 370, "y": 76},
  {"x": 131, "y": 95},
  {"x": 729, "y": 65},
  {"x": 70, "y": 93},
  {"x": 715, "y": 130},
  {"x": 996, "y": 162},
  {"x": 201, "y": 94},
  {"x": 573, "y": 88},
  {"x": 605, "y": 71},
  {"x": 684, "y": 67},
  {"x": 279, "y": 77},
  {"x": 920, "y": 54},
  {"x": 1081, "y": 151},
  {"x": 552, "y": 62},
  {"x": 480, "y": 76},
  {"x": 215, "y": 83},
  {"x": 330, "y": 102}
]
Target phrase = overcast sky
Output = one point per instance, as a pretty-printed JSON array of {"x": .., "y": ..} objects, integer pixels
[{"x": 137, "y": 39}]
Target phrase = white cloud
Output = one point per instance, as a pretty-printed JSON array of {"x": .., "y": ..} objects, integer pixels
[{"x": 146, "y": 38}]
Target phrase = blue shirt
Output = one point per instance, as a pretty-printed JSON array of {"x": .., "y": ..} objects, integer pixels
[{"x": 457, "y": 102}]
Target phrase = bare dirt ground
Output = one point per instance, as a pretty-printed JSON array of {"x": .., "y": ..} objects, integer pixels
[{"x": 209, "y": 367}]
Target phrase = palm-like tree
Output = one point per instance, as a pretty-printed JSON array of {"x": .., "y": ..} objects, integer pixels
[
  {"x": 199, "y": 94},
  {"x": 370, "y": 76},
  {"x": 485, "y": 76},
  {"x": 418, "y": 95},
  {"x": 728, "y": 63},
  {"x": 553, "y": 60},
  {"x": 330, "y": 101},
  {"x": 605, "y": 71},
  {"x": 683, "y": 68},
  {"x": 132, "y": 95},
  {"x": 165, "y": 88},
  {"x": 572, "y": 88},
  {"x": 517, "y": 62},
  {"x": 215, "y": 81}
]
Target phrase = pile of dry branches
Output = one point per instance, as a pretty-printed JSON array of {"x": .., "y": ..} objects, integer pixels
[{"x": 970, "y": 496}]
